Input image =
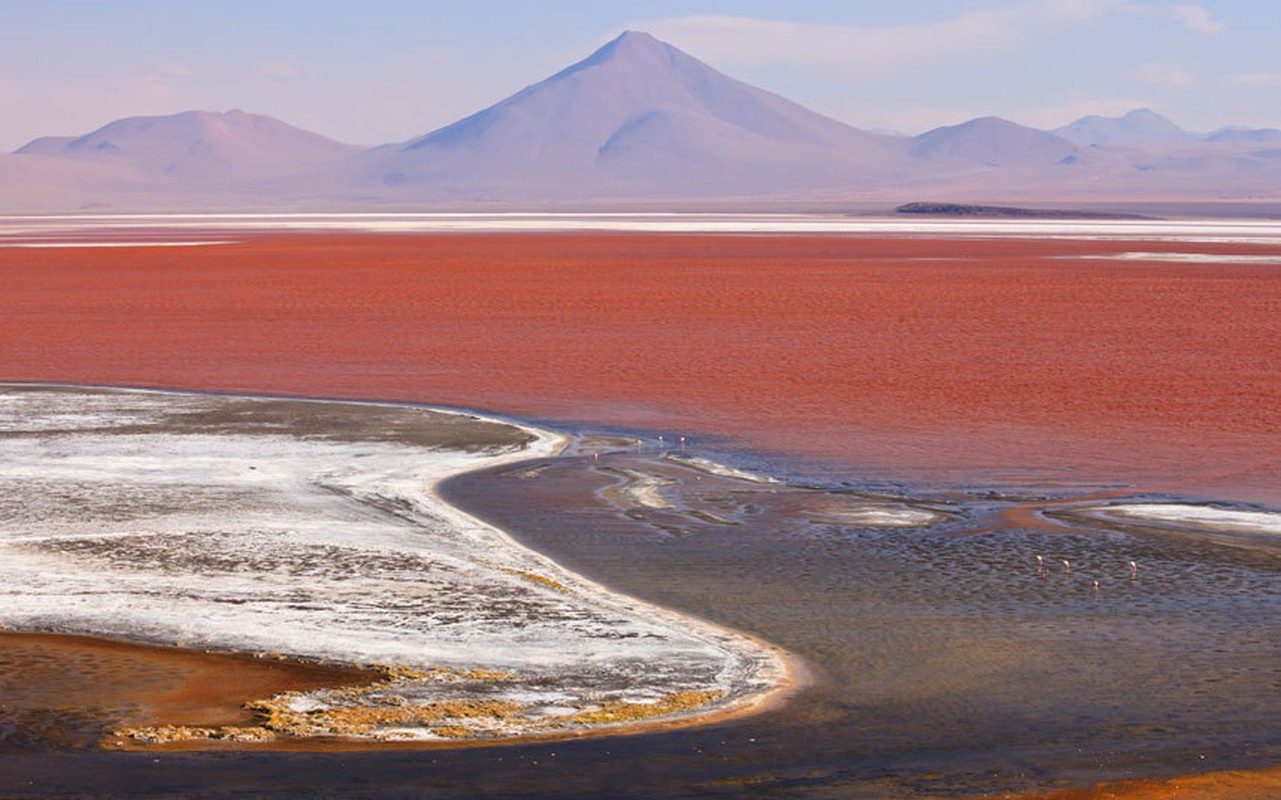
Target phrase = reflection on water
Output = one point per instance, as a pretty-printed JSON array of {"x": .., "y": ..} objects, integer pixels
[{"x": 943, "y": 659}]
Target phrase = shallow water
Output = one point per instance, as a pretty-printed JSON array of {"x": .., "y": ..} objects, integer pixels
[
  {"x": 941, "y": 651},
  {"x": 942, "y": 661}
]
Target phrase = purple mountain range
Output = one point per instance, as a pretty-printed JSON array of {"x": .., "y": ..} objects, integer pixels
[{"x": 639, "y": 122}]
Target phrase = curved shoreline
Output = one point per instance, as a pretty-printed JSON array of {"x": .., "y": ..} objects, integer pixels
[{"x": 765, "y": 661}]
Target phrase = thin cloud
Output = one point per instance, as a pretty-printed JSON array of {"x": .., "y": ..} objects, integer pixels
[
  {"x": 976, "y": 33},
  {"x": 1256, "y": 80},
  {"x": 1189, "y": 15},
  {"x": 1196, "y": 18}
]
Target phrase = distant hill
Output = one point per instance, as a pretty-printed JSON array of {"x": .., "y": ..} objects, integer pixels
[
  {"x": 199, "y": 148},
  {"x": 1140, "y": 126},
  {"x": 1237, "y": 133},
  {"x": 994, "y": 142}
]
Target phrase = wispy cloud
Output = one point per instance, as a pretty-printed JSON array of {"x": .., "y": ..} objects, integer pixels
[
  {"x": 979, "y": 33},
  {"x": 1258, "y": 80},
  {"x": 976, "y": 33},
  {"x": 1195, "y": 18},
  {"x": 1189, "y": 15}
]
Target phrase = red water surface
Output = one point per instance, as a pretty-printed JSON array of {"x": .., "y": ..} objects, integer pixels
[{"x": 934, "y": 356}]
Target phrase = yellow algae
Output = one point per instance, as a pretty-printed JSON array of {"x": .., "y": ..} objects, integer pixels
[
  {"x": 487, "y": 675},
  {"x": 629, "y": 711},
  {"x": 280, "y": 715},
  {"x": 401, "y": 673},
  {"x": 539, "y": 579},
  {"x": 452, "y": 732},
  {"x": 167, "y": 734}
]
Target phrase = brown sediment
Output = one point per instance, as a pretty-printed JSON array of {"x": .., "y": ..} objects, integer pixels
[
  {"x": 277, "y": 727},
  {"x": 130, "y": 684},
  {"x": 147, "y": 697}
]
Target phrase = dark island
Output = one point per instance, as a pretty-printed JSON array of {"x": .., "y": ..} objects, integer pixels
[{"x": 1005, "y": 212}]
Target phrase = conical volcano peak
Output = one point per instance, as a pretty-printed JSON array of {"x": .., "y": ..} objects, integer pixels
[
  {"x": 631, "y": 44},
  {"x": 634, "y": 40},
  {"x": 628, "y": 48},
  {"x": 639, "y": 115}
]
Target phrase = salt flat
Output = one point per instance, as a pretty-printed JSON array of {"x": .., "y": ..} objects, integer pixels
[
  {"x": 1224, "y": 231},
  {"x": 311, "y": 530}
]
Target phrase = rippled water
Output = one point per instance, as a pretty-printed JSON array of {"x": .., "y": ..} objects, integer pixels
[
  {"x": 942, "y": 660},
  {"x": 948, "y": 653}
]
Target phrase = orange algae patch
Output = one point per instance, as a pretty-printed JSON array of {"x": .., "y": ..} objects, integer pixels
[
  {"x": 121, "y": 683},
  {"x": 348, "y": 710},
  {"x": 357, "y": 711},
  {"x": 1264, "y": 784}
]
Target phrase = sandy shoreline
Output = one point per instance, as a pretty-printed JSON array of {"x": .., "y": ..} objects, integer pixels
[{"x": 493, "y": 689}]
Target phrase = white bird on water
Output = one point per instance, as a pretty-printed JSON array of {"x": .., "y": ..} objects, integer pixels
[
  {"x": 1134, "y": 570},
  {"x": 1067, "y": 565}
]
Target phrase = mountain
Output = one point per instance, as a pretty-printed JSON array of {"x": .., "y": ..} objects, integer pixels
[
  {"x": 39, "y": 183},
  {"x": 1139, "y": 126},
  {"x": 994, "y": 142},
  {"x": 1238, "y": 133},
  {"x": 199, "y": 148},
  {"x": 638, "y": 117},
  {"x": 637, "y": 124}
]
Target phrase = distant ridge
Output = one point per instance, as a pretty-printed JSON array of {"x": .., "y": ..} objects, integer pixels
[
  {"x": 639, "y": 124},
  {"x": 202, "y": 148},
  {"x": 1139, "y": 126},
  {"x": 994, "y": 142}
]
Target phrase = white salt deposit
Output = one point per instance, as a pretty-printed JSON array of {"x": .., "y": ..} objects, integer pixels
[
  {"x": 1207, "y": 230},
  {"x": 1195, "y": 516},
  {"x": 1188, "y": 258},
  {"x": 873, "y": 516},
  {"x": 710, "y": 467},
  {"x": 97, "y": 244},
  {"x": 116, "y": 521}
]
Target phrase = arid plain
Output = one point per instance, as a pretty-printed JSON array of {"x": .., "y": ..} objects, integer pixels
[{"x": 993, "y": 363}]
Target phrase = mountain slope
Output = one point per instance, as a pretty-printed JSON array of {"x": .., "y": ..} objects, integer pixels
[
  {"x": 994, "y": 142},
  {"x": 638, "y": 117},
  {"x": 199, "y": 148}
]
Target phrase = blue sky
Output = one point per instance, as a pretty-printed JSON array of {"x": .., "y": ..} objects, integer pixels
[{"x": 387, "y": 70}]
